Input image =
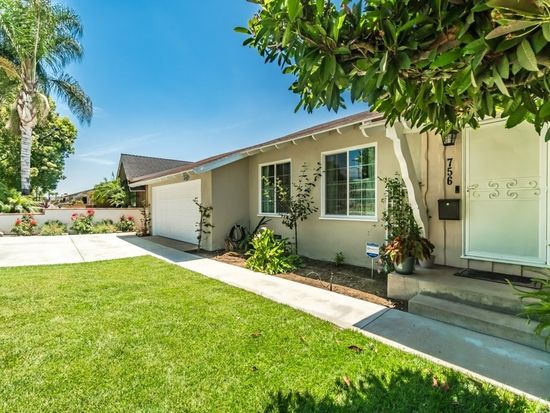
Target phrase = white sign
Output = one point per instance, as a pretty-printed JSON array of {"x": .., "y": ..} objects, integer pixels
[{"x": 373, "y": 250}]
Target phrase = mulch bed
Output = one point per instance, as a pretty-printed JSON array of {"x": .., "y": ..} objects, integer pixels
[{"x": 346, "y": 279}]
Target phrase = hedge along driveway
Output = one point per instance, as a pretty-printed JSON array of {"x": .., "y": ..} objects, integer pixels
[{"x": 143, "y": 335}]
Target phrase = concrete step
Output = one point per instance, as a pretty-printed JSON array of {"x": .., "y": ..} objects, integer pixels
[
  {"x": 440, "y": 283},
  {"x": 478, "y": 319}
]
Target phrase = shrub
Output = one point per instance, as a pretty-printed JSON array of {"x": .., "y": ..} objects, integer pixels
[
  {"x": 12, "y": 201},
  {"x": 53, "y": 228},
  {"x": 25, "y": 226},
  {"x": 83, "y": 223},
  {"x": 270, "y": 255},
  {"x": 127, "y": 224},
  {"x": 340, "y": 259},
  {"x": 104, "y": 227},
  {"x": 538, "y": 308},
  {"x": 110, "y": 194}
]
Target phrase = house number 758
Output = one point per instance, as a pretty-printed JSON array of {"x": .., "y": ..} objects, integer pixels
[{"x": 450, "y": 171}]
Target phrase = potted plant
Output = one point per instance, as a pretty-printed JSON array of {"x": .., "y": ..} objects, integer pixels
[
  {"x": 428, "y": 259},
  {"x": 403, "y": 252}
]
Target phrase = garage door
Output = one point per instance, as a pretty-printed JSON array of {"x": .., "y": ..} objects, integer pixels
[{"x": 175, "y": 215}]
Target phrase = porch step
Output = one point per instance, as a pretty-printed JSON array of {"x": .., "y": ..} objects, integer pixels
[{"x": 478, "y": 319}]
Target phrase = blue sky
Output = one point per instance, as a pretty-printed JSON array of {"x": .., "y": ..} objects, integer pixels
[{"x": 171, "y": 79}]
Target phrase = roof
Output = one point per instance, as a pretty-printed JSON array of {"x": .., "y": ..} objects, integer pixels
[
  {"x": 136, "y": 165},
  {"x": 228, "y": 157}
]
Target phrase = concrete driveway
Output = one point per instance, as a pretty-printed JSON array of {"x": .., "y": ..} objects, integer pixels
[{"x": 21, "y": 251}]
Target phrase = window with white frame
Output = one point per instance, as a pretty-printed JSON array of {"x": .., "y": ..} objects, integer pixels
[
  {"x": 273, "y": 177},
  {"x": 350, "y": 183}
]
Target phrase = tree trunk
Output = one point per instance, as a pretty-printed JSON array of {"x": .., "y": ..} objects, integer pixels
[
  {"x": 296, "y": 238},
  {"x": 28, "y": 120}
]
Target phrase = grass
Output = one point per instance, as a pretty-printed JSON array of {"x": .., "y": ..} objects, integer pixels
[{"x": 143, "y": 335}]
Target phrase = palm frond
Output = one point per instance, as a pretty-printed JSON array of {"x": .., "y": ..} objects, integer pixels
[
  {"x": 69, "y": 90},
  {"x": 64, "y": 50},
  {"x": 13, "y": 122},
  {"x": 9, "y": 68}
]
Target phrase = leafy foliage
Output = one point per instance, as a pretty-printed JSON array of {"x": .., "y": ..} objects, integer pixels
[
  {"x": 126, "y": 224},
  {"x": 53, "y": 228},
  {"x": 339, "y": 259},
  {"x": 538, "y": 308},
  {"x": 110, "y": 194},
  {"x": 83, "y": 223},
  {"x": 403, "y": 233},
  {"x": 270, "y": 255},
  {"x": 12, "y": 201},
  {"x": 104, "y": 227},
  {"x": 299, "y": 203},
  {"x": 25, "y": 226},
  {"x": 53, "y": 142},
  {"x": 439, "y": 65},
  {"x": 204, "y": 226}
]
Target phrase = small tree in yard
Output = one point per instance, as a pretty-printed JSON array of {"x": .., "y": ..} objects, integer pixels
[
  {"x": 204, "y": 226},
  {"x": 299, "y": 202}
]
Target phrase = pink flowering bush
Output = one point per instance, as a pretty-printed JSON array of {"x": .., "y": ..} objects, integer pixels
[
  {"x": 127, "y": 224},
  {"x": 83, "y": 223},
  {"x": 25, "y": 226}
]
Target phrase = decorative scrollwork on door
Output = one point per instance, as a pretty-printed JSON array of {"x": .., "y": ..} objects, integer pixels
[{"x": 517, "y": 188}]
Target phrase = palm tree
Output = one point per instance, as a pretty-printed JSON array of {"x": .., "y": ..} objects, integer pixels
[{"x": 37, "y": 41}]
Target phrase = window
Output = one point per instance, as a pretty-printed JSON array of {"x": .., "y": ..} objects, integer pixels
[
  {"x": 350, "y": 183},
  {"x": 270, "y": 199}
]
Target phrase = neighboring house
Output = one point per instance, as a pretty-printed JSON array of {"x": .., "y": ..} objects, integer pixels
[
  {"x": 499, "y": 176},
  {"x": 83, "y": 198},
  {"x": 131, "y": 167}
]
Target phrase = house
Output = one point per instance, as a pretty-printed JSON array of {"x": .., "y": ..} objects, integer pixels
[
  {"x": 131, "y": 167},
  {"x": 479, "y": 195},
  {"x": 496, "y": 177},
  {"x": 82, "y": 198}
]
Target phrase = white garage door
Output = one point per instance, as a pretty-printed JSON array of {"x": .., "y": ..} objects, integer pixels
[{"x": 175, "y": 215}]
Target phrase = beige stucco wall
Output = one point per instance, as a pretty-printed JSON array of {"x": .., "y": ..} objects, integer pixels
[
  {"x": 230, "y": 194},
  {"x": 320, "y": 238}
]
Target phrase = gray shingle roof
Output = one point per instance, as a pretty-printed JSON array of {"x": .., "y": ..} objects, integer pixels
[{"x": 136, "y": 165}]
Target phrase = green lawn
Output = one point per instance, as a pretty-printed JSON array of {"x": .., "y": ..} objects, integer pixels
[{"x": 143, "y": 335}]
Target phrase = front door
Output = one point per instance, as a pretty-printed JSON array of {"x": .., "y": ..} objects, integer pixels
[{"x": 505, "y": 211}]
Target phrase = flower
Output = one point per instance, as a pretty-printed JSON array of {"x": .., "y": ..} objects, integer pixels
[
  {"x": 91, "y": 212},
  {"x": 33, "y": 222},
  {"x": 74, "y": 217},
  {"x": 131, "y": 219},
  {"x": 18, "y": 222}
]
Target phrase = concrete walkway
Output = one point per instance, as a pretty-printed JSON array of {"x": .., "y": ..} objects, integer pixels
[{"x": 516, "y": 367}]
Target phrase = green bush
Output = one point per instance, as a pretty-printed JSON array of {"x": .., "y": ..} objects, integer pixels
[
  {"x": 127, "y": 224},
  {"x": 270, "y": 255},
  {"x": 110, "y": 194},
  {"x": 538, "y": 309},
  {"x": 53, "y": 228},
  {"x": 339, "y": 259},
  {"x": 12, "y": 201},
  {"x": 83, "y": 223},
  {"x": 25, "y": 226},
  {"x": 104, "y": 227}
]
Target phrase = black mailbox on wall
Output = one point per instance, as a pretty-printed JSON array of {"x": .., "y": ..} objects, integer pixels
[{"x": 449, "y": 209}]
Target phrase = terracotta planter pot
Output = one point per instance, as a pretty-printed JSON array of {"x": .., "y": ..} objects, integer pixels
[{"x": 406, "y": 267}]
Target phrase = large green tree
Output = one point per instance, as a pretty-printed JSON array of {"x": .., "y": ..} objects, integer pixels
[
  {"x": 38, "y": 40},
  {"x": 437, "y": 64},
  {"x": 53, "y": 141}
]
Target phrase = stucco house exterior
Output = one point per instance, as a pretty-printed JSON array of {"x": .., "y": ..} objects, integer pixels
[{"x": 498, "y": 176}]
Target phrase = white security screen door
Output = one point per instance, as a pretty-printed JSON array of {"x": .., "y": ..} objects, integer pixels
[{"x": 505, "y": 208}]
